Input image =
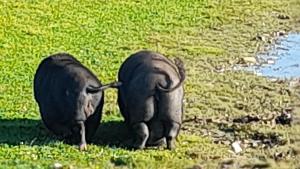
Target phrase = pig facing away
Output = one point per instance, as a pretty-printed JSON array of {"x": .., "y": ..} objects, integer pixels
[
  {"x": 70, "y": 98},
  {"x": 151, "y": 98}
]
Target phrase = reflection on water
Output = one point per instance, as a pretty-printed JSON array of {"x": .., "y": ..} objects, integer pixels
[{"x": 282, "y": 61}]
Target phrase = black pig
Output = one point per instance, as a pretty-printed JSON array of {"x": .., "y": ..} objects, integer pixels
[
  {"x": 70, "y": 97},
  {"x": 151, "y": 98}
]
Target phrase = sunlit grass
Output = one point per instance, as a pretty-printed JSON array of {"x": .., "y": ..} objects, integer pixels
[{"x": 205, "y": 33}]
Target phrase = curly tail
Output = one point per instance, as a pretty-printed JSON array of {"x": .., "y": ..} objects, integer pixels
[
  {"x": 93, "y": 89},
  {"x": 181, "y": 70}
]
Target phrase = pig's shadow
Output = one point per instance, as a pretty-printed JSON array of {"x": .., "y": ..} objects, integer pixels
[
  {"x": 24, "y": 131},
  {"x": 33, "y": 132},
  {"x": 112, "y": 133}
]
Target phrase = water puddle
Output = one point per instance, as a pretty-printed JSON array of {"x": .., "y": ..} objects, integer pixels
[{"x": 282, "y": 61}]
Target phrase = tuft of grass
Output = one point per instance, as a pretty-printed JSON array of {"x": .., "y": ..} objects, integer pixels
[{"x": 206, "y": 34}]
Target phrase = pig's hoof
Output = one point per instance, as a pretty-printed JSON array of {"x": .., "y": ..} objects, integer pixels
[
  {"x": 138, "y": 146},
  {"x": 83, "y": 147},
  {"x": 157, "y": 143},
  {"x": 170, "y": 145}
]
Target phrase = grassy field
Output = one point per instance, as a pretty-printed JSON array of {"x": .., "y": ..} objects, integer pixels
[{"x": 209, "y": 35}]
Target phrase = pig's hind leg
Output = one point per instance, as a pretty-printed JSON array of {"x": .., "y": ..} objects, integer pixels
[
  {"x": 141, "y": 113},
  {"x": 171, "y": 132},
  {"x": 156, "y": 137},
  {"x": 141, "y": 132}
]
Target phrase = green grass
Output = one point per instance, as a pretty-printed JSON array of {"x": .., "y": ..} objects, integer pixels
[{"x": 206, "y": 34}]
